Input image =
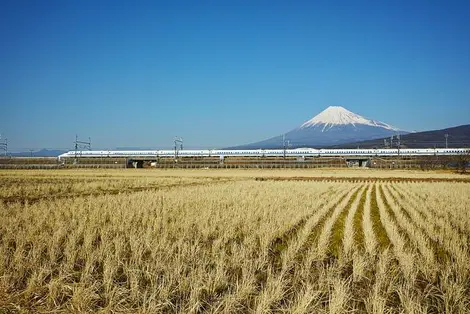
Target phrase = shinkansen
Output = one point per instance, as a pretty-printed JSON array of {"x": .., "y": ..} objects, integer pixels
[{"x": 298, "y": 152}]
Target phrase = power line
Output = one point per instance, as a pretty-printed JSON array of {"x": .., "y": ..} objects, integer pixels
[{"x": 81, "y": 145}]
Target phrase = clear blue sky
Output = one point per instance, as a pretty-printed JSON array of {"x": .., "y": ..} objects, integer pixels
[{"x": 221, "y": 73}]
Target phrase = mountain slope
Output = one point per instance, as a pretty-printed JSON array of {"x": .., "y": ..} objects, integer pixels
[
  {"x": 458, "y": 137},
  {"x": 40, "y": 153},
  {"x": 334, "y": 125}
]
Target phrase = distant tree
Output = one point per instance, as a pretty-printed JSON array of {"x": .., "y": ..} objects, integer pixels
[
  {"x": 445, "y": 161},
  {"x": 462, "y": 161},
  {"x": 428, "y": 162}
]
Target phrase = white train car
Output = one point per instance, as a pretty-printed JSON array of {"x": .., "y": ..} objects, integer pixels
[{"x": 298, "y": 152}]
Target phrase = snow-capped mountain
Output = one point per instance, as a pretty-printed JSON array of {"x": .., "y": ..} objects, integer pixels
[
  {"x": 334, "y": 125},
  {"x": 337, "y": 115}
]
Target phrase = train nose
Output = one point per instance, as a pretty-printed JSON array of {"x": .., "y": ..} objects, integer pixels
[{"x": 62, "y": 155}]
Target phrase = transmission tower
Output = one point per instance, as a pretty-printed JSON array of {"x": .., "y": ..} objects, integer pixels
[
  {"x": 4, "y": 145},
  {"x": 178, "y": 145}
]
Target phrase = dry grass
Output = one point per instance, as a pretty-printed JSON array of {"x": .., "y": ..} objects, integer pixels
[{"x": 206, "y": 241}]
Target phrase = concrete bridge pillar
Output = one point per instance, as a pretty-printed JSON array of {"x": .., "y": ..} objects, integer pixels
[{"x": 137, "y": 163}]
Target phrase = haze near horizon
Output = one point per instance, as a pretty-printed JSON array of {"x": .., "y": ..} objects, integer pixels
[{"x": 225, "y": 73}]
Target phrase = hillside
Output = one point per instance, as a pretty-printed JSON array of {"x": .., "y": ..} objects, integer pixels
[{"x": 457, "y": 137}]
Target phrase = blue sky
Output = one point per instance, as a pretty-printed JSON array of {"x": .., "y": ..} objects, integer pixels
[{"x": 222, "y": 73}]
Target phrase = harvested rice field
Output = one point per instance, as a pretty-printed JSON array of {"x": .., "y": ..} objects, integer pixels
[{"x": 234, "y": 241}]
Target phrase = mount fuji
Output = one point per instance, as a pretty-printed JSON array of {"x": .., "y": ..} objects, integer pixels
[{"x": 333, "y": 126}]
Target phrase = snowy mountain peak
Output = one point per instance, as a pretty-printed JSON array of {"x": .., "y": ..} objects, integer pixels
[{"x": 337, "y": 115}]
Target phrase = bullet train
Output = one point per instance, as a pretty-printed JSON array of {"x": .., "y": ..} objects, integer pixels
[{"x": 298, "y": 152}]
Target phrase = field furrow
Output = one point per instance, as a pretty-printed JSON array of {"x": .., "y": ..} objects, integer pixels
[
  {"x": 445, "y": 237},
  {"x": 331, "y": 234},
  {"x": 420, "y": 225},
  {"x": 370, "y": 241},
  {"x": 314, "y": 224},
  {"x": 440, "y": 208},
  {"x": 393, "y": 217},
  {"x": 440, "y": 218},
  {"x": 433, "y": 225},
  {"x": 352, "y": 235},
  {"x": 297, "y": 248},
  {"x": 292, "y": 243},
  {"x": 419, "y": 240},
  {"x": 285, "y": 252},
  {"x": 378, "y": 228},
  {"x": 402, "y": 254}
]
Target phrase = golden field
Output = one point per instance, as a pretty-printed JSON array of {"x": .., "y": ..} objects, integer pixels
[{"x": 234, "y": 241}]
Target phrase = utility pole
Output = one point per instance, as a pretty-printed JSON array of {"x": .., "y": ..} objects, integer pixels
[
  {"x": 398, "y": 143},
  {"x": 284, "y": 145},
  {"x": 446, "y": 136}
]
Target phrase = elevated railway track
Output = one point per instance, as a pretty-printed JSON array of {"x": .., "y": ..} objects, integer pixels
[
  {"x": 279, "y": 158},
  {"x": 270, "y": 158}
]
